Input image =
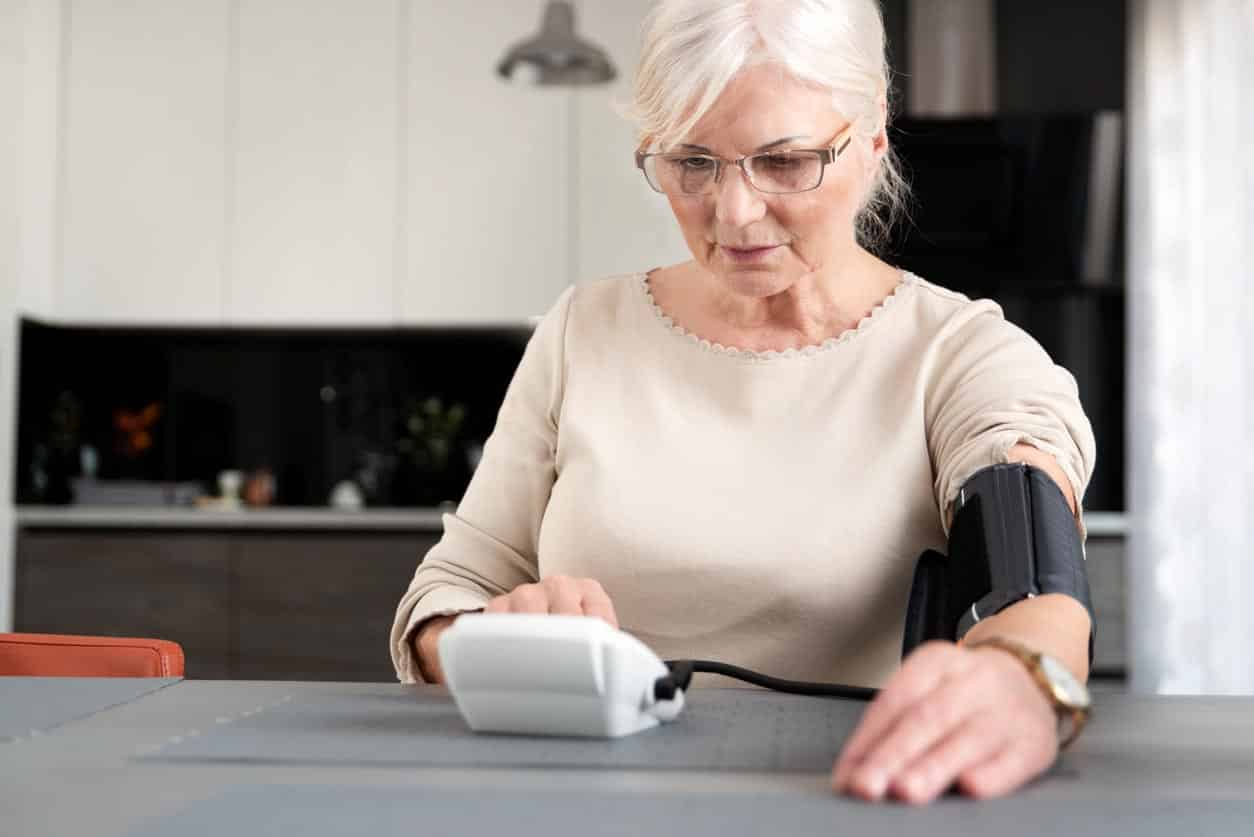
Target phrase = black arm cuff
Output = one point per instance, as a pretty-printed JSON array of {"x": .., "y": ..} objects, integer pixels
[{"x": 1013, "y": 536}]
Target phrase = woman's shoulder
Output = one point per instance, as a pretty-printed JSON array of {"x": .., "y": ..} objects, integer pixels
[
  {"x": 592, "y": 299},
  {"x": 945, "y": 302},
  {"x": 596, "y": 303},
  {"x": 943, "y": 312},
  {"x": 958, "y": 331},
  {"x": 607, "y": 291},
  {"x": 589, "y": 309}
]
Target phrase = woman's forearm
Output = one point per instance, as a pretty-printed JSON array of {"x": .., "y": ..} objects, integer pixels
[
  {"x": 1054, "y": 624},
  {"x": 423, "y": 643}
]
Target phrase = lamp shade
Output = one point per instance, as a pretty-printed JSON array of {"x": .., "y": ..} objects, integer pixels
[{"x": 556, "y": 56}]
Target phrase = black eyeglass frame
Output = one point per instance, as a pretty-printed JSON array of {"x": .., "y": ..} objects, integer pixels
[{"x": 827, "y": 156}]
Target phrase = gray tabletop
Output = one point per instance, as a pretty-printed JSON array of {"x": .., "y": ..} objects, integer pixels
[
  {"x": 340, "y": 758},
  {"x": 31, "y": 706}
]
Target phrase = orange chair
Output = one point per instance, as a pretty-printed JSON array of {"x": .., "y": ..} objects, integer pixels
[{"x": 62, "y": 655}]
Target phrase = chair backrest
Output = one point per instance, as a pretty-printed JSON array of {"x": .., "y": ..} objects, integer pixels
[{"x": 63, "y": 655}]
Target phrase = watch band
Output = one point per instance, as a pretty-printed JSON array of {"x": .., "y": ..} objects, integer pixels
[{"x": 1071, "y": 719}]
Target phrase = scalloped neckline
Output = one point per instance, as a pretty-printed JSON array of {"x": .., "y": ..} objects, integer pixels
[{"x": 810, "y": 350}]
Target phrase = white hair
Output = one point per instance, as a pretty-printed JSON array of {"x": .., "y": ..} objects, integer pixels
[{"x": 693, "y": 49}]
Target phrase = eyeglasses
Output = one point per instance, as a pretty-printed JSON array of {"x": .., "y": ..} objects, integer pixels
[{"x": 773, "y": 172}]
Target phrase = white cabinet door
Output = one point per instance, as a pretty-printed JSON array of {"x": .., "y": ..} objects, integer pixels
[
  {"x": 11, "y": 97},
  {"x": 488, "y": 170},
  {"x": 619, "y": 223},
  {"x": 143, "y": 154},
  {"x": 37, "y": 36},
  {"x": 313, "y": 220}
]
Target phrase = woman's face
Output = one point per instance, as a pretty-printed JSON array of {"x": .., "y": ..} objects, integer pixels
[{"x": 803, "y": 233}]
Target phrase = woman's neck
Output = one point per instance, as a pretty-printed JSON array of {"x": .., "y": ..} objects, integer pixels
[{"x": 814, "y": 309}]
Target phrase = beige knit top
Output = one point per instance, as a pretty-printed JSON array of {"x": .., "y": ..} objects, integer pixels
[{"x": 764, "y": 509}]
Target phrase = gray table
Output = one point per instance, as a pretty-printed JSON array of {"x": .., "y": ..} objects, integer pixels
[
  {"x": 28, "y": 707},
  {"x": 202, "y": 757}
]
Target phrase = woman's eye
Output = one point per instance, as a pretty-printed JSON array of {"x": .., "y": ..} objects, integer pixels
[
  {"x": 779, "y": 161},
  {"x": 696, "y": 163}
]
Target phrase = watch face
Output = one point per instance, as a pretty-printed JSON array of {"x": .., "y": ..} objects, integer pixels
[{"x": 1067, "y": 689}]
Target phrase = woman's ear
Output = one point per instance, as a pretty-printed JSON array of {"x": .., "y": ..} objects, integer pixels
[
  {"x": 873, "y": 162},
  {"x": 879, "y": 142}
]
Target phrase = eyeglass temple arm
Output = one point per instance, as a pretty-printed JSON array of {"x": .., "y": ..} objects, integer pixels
[{"x": 830, "y": 154}]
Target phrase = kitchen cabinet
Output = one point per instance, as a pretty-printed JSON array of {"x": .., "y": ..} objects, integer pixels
[
  {"x": 289, "y": 603},
  {"x": 144, "y": 129},
  {"x": 314, "y": 162},
  {"x": 33, "y": 29},
  {"x": 10, "y": 130},
  {"x": 320, "y": 606},
  {"x": 176, "y": 586},
  {"x": 487, "y": 202},
  {"x": 246, "y": 604},
  {"x": 261, "y": 162},
  {"x": 230, "y": 162},
  {"x": 619, "y": 224}
]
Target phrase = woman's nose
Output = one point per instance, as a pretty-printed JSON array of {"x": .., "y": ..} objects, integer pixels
[{"x": 736, "y": 203}]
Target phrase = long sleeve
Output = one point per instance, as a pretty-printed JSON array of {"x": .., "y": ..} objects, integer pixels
[
  {"x": 489, "y": 545},
  {"x": 992, "y": 387}
]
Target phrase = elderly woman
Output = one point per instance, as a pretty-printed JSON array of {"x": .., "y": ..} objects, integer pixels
[{"x": 741, "y": 457}]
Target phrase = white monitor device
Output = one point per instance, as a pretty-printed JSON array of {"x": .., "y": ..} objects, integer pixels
[{"x": 543, "y": 674}]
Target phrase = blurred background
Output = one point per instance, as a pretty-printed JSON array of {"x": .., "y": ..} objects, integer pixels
[{"x": 269, "y": 266}]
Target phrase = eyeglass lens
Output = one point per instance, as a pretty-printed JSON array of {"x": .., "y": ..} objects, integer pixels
[{"x": 775, "y": 172}]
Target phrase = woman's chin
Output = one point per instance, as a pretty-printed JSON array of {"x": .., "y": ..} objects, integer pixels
[{"x": 755, "y": 282}]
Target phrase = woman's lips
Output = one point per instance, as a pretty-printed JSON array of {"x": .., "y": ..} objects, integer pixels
[{"x": 748, "y": 255}]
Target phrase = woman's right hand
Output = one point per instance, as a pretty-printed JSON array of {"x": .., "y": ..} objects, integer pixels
[{"x": 556, "y": 594}]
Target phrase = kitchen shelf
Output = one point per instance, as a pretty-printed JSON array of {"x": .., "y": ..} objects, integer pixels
[
  {"x": 1100, "y": 524},
  {"x": 156, "y": 517}
]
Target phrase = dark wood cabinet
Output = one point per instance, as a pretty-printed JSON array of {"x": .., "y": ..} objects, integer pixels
[
  {"x": 173, "y": 586},
  {"x": 299, "y": 605},
  {"x": 320, "y": 606},
  {"x": 248, "y": 605}
]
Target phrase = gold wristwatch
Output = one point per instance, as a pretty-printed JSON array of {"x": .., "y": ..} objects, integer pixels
[{"x": 1066, "y": 694}]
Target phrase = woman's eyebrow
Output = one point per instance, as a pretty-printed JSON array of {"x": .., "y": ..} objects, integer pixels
[{"x": 761, "y": 148}]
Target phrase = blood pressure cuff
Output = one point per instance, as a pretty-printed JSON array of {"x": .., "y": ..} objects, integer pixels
[{"x": 1013, "y": 536}]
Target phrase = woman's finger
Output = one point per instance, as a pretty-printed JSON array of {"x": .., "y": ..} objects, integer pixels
[
  {"x": 918, "y": 676},
  {"x": 1004, "y": 772},
  {"x": 923, "y": 725},
  {"x": 932, "y": 773},
  {"x": 596, "y": 602},
  {"x": 565, "y": 597},
  {"x": 557, "y": 594},
  {"x": 528, "y": 598}
]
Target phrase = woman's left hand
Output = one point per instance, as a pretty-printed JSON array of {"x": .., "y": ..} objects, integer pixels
[{"x": 950, "y": 715}]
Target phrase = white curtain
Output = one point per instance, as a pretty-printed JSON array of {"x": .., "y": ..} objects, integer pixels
[{"x": 1191, "y": 346}]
